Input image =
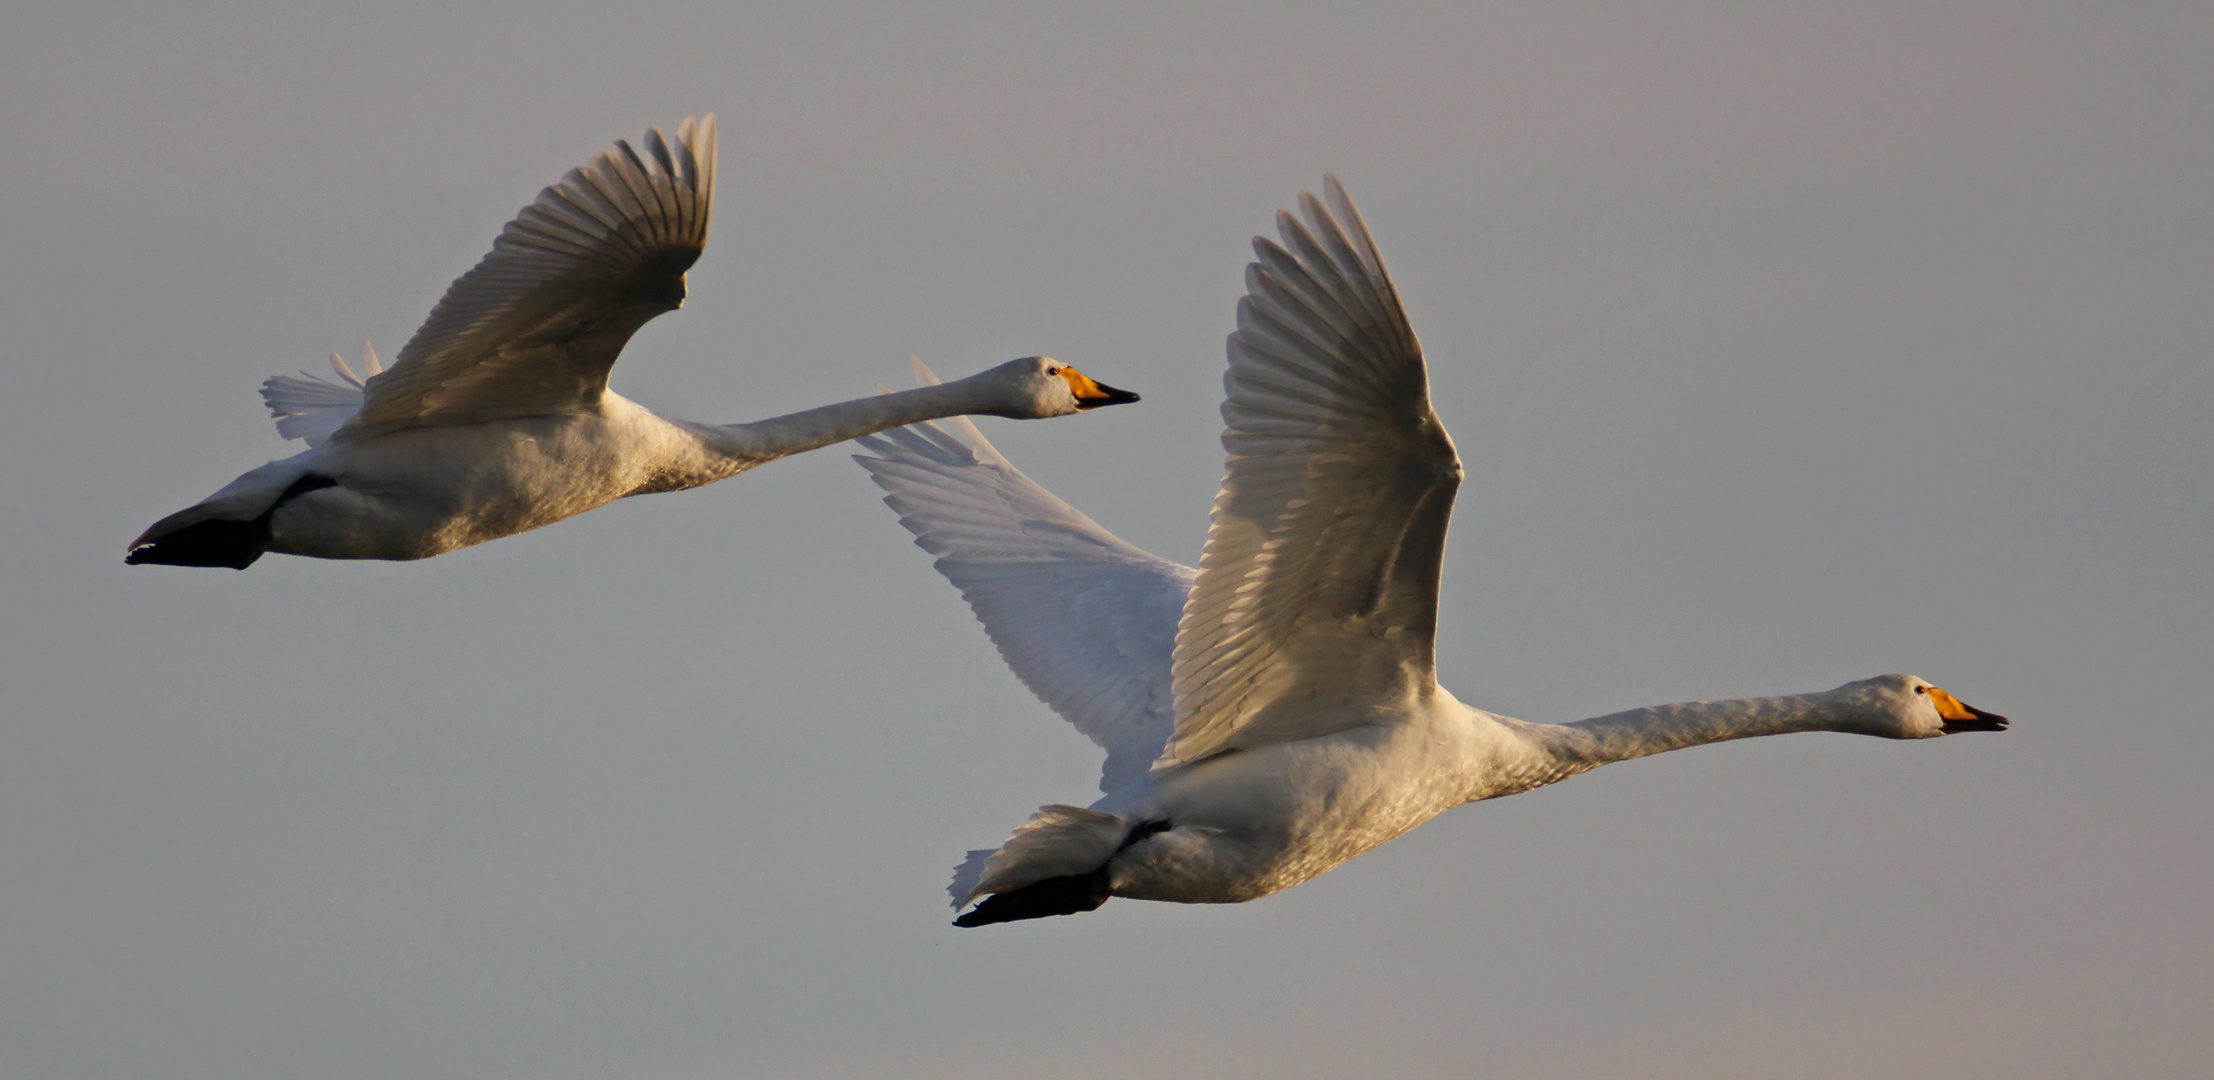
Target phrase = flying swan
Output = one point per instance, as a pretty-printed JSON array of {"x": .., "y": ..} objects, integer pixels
[
  {"x": 496, "y": 417},
  {"x": 1276, "y": 712}
]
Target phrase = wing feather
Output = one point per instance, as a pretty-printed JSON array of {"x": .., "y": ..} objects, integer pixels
[
  {"x": 310, "y": 407},
  {"x": 1318, "y": 585},
  {"x": 534, "y": 327},
  {"x": 1085, "y": 620}
]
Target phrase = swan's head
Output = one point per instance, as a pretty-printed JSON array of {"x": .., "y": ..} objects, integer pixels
[
  {"x": 1036, "y": 387},
  {"x": 1908, "y": 707}
]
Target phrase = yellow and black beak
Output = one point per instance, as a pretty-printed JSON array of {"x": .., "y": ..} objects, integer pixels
[
  {"x": 1092, "y": 395},
  {"x": 1960, "y": 716}
]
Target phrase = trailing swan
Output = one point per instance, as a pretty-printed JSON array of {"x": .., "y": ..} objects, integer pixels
[
  {"x": 496, "y": 417},
  {"x": 1276, "y": 712}
]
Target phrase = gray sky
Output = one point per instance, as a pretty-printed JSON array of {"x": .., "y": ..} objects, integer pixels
[{"x": 1786, "y": 345}]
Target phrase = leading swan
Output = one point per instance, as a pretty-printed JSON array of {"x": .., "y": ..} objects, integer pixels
[
  {"x": 1276, "y": 712},
  {"x": 496, "y": 417}
]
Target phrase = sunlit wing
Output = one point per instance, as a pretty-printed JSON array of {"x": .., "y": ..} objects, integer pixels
[
  {"x": 1321, "y": 567},
  {"x": 533, "y": 329},
  {"x": 1086, "y": 620}
]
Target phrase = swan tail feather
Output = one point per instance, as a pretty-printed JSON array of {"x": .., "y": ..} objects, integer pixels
[
  {"x": 967, "y": 875},
  {"x": 1057, "y": 842}
]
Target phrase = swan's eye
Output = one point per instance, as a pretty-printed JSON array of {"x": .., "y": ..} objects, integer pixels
[{"x": 1921, "y": 689}]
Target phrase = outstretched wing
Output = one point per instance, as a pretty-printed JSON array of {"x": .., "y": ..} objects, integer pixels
[
  {"x": 1086, "y": 620},
  {"x": 533, "y": 329},
  {"x": 1321, "y": 567}
]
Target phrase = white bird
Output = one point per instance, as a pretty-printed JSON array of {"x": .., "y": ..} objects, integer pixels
[
  {"x": 497, "y": 418},
  {"x": 1276, "y": 712}
]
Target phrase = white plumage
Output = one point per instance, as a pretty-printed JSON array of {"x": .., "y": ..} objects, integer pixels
[
  {"x": 496, "y": 417},
  {"x": 1290, "y": 717},
  {"x": 1085, "y": 620}
]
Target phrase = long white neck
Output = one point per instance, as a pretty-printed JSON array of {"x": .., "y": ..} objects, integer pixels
[
  {"x": 1620, "y": 736},
  {"x": 747, "y": 445}
]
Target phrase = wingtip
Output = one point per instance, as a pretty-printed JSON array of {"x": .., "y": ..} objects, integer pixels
[
  {"x": 1334, "y": 193},
  {"x": 704, "y": 146},
  {"x": 697, "y": 132}
]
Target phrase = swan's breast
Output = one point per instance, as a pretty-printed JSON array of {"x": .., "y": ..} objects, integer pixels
[
  {"x": 415, "y": 493},
  {"x": 1259, "y": 821}
]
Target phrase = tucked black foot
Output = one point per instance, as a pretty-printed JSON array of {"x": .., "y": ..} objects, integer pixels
[
  {"x": 235, "y": 544},
  {"x": 1069, "y": 895}
]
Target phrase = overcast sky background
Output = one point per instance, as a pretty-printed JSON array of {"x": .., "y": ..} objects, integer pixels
[{"x": 1785, "y": 344}]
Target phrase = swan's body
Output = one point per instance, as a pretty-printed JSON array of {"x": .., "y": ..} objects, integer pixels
[
  {"x": 1276, "y": 712},
  {"x": 496, "y": 418}
]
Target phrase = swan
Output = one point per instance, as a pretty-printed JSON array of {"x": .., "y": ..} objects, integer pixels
[
  {"x": 1276, "y": 712},
  {"x": 496, "y": 416}
]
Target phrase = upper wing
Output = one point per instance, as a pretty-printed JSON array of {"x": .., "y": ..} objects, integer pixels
[
  {"x": 534, "y": 327},
  {"x": 1086, "y": 620},
  {"x": 1317, "y": 593}
]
